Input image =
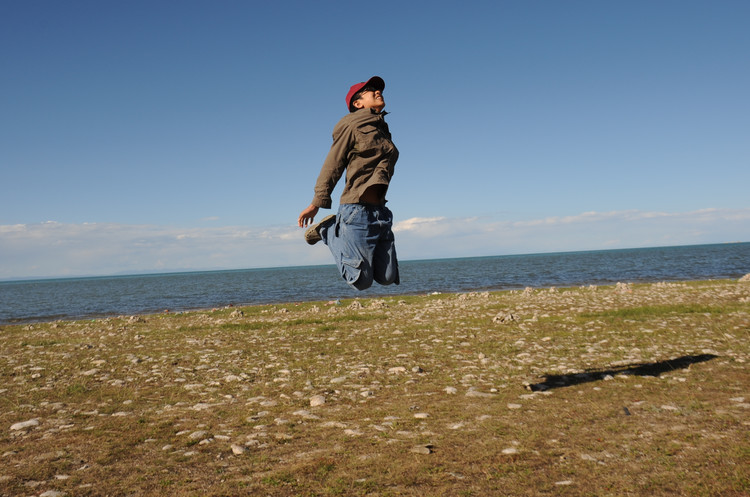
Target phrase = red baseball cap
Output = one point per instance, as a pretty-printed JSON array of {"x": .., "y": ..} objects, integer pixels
[{"x": 375, "y": 82}]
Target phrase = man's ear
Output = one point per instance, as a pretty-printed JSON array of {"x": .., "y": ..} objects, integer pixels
[{"x": 357, "y": 104}]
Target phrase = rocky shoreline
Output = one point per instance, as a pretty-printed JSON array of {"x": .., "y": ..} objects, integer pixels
[{"x": 616, "y": 390}]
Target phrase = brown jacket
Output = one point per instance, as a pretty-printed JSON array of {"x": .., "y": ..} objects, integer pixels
[{"x": 362, "y": 146}]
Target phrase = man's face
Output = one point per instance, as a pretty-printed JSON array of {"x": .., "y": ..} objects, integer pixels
[{"x": 370, "y": 99}]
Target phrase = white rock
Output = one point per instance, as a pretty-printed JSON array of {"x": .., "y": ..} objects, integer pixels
[
  {"x": 397, "y": 370},
  {"x": 238, "y": 449},
  {"x": 514, "y": 406},
  {"x": 25, "y": 424},
  {"x": 422, "y": 415},
  {"x": 475, "y": 393},
  {"x": 451, "y": 390},
  {"x": 333, "y": 424},
  {"x": 504, "y": 317},
  {"x": 305, "y": 414},
  {"x": 52, "y": 493},
  {"x": 510, "y": 451},
  {"x": 317, "y": 400}
]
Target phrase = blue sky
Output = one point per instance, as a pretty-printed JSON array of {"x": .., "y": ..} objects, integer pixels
[{"x": 176, "y": 135}]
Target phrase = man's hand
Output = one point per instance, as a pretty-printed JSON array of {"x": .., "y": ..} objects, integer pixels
[{"x": 307, "y": 216}]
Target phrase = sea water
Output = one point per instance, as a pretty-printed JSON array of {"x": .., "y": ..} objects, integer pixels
[{"x": 74, "y": 298}]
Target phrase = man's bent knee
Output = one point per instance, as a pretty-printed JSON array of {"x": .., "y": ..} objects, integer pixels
[
  {"x": 357, "y": 273},
  {"x": 388, "y": 280},
  {"x": 363, "y": 282}
]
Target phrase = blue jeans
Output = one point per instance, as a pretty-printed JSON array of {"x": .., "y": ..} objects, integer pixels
[{"x": 363, "y": 245}]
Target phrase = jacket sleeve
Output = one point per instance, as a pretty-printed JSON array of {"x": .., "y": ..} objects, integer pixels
[{"x": 334, "y": 165}]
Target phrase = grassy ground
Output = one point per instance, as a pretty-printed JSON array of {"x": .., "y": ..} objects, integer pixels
[{"x": 602, "y": 391}]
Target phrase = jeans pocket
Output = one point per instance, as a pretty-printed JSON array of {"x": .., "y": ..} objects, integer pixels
[
  {"x": 351, "y": 268},
  {"x": 352, "y": 214}
]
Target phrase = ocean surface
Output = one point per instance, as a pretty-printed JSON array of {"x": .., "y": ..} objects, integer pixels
[{"x": 77, "y": 298}]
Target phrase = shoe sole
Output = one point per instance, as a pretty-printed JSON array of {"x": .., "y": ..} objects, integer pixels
[{"x": 312, "y": 235}]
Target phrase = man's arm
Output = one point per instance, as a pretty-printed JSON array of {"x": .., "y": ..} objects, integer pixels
[
  {"x": 332, "y": 170},
  {"x": 334, "y": 165}
]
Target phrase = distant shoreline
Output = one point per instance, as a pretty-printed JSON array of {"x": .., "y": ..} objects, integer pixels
[
  {"x": 86, "y": 298},
  {"x": 152, "y": 313}
]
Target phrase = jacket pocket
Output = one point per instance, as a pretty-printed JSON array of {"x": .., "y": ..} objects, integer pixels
[{"x": 367, "y": 136}]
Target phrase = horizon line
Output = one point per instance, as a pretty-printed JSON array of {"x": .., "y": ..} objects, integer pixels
[{"x": 174, "y": 271}]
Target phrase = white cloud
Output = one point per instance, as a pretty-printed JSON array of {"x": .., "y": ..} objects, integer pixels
[
  {"x": 416, "y": 223},
  {"x": 59, "y": 249},
  {"x": 56, "y": 249},
  {"x": 457, "y": 237}
]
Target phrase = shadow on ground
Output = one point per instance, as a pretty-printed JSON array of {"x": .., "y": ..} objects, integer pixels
[{"x": 647, "y": 369}]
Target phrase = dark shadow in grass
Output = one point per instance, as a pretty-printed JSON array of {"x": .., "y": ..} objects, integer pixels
[{"x": 647, "y": 369}]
